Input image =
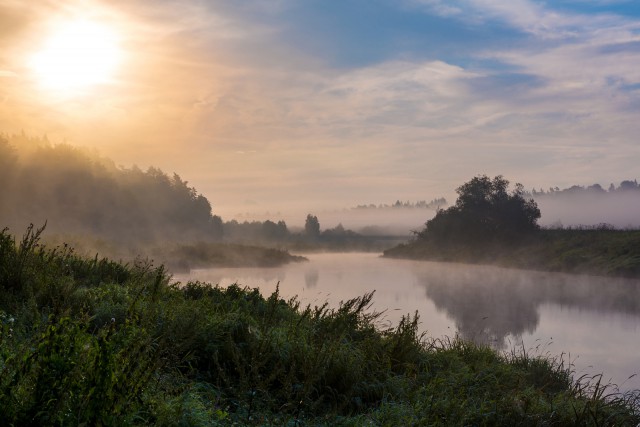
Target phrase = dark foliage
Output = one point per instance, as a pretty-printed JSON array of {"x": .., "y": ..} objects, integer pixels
[
  {"x": 625, "y": 186},
  {"x": 312, "y": 227},
  {"x": 79, "y": 193},
  {"x": 421, "y": 204},
  {"x": 87, "y": 342},
  {"x": 485, "y": 212}
]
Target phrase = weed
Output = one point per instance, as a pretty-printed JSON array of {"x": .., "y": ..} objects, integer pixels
[{"x": 94, "y": 342}]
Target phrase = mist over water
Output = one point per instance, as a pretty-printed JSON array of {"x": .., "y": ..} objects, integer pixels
[
  {"x": 594, "y": 321},
  {"x": 492, "y": 304}
]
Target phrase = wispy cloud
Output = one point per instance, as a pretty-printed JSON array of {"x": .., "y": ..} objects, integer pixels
[
  {"x": 542, "y": 94},
  {"x": 442, "y": 8}
]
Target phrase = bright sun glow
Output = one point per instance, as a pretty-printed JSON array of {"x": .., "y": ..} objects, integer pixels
[{"x": 78, "y": 55}]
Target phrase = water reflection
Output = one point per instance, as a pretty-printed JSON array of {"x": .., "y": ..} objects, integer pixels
[
  {"x": 311, "y": 277},
  {"x": 490, "y": 305},
  {"x": 594, "y": 319}
]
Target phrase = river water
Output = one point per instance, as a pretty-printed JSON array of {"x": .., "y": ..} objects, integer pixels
[{"x": 592, "y": 322}]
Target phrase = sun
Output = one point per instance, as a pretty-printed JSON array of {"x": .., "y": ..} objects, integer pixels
[{"x": 77, "y": 55}]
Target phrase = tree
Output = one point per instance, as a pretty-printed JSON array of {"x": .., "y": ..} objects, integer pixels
[
  {"x": 485, "y": 211},
  {"x": 628, "y": 185},
  {"x": 272, "y": 231},
  {"x": 217, "y": 228},
  {"x": 312, "y": 226},
  {"x": 596, "y": 188},
  {"x": 8, "y": 159}
]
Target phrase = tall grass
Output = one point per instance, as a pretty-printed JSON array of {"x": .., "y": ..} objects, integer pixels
[
  {"x": 597, "y": 251},
  {"x": 92, "y": 342}
]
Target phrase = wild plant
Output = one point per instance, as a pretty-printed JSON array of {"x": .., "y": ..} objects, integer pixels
[{"x": 88, "y": 341}]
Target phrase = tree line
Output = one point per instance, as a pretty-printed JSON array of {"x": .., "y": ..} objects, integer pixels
[
  {"x": 436, "y": 203},
  {"x": 278, "y": 232},
  {"x": 625, "y": 186},
  {"x": 77, "y": 192}
]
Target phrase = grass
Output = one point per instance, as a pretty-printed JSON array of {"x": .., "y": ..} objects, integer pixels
[
  {"x": 185, "y": 257},
  {"x": 93, "y": 342},
  {"x": 595, "y": 251}
]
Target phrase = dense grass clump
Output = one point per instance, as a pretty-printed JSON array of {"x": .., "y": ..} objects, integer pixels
[{"x": 94, "y": 342}]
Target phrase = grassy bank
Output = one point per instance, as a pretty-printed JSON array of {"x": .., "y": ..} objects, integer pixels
[
  {"x": 594, "y": 251},
  {"x": 181, "y": 257},
  {"x": 94, "y": 342},
  {"x": 208, "y": 255}
]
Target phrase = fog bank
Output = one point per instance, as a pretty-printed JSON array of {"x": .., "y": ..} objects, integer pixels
[{"x": 620, "y": 209}]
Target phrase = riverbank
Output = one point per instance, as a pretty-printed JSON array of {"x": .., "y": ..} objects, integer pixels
[
  {"x": 98, "y": 342},
  {"x": 593, "y": 251},
  {"x": 181, "y": 257}
]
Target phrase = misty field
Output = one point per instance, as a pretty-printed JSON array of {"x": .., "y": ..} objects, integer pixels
[{"x": 96, "y": 342}]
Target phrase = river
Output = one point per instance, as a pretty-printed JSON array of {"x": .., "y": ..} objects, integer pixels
[{"x": 593, "y": 322}]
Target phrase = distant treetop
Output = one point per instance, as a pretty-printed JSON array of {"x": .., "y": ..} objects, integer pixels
[
  {"x": 624, "y": 186},
  {"x": 421, "y": 204}
]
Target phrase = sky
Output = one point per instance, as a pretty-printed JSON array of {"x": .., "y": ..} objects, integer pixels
[{"x": 307, "y": 105}]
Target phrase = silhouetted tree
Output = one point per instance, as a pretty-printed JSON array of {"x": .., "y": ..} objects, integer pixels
[
  {"x": 596, "y": 188},
  {"x": 217, "y": 230},
  {"x": 312, "y": 227},
  {"x": 628, "y": 185},
  {"x": 273, "y": 231},
  {"x": 485, "y": 211}
]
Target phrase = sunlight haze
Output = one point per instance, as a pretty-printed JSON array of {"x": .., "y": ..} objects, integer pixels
[
  {"x": 77, "y": 55},
  {"x": 292, "y": 107}
]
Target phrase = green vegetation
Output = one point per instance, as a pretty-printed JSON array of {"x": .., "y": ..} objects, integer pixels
[
  {"x": 490, "y": 225},
  {"x": 93, "y": 342},
  {"x": 184, "y": 257},
  {"x": 595, "y": 250}
]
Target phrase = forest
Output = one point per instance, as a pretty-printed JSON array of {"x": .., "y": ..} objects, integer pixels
[
  {"x": 75, "y": 191},
  {"x": 126, "y": 212}
]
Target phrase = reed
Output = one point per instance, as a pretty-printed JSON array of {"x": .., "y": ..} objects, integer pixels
[{"x": 95, "y": 342}]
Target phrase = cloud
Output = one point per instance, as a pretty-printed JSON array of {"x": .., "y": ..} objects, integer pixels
[
  {"x": 539, "y": 19},
  {"x": 515, "y": 88},
  {"x": 439, "y": 7},
  {"x": 524, "y": 15}
]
